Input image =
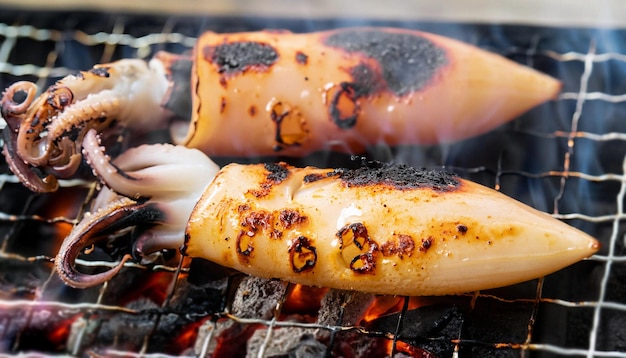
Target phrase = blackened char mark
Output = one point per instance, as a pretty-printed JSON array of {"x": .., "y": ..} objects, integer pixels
[
  {"x": 102, "y": 71},
  {"x": 408, "y": 61},
  {"x": 301, "y": 58},
  {"x": 398, "y": 176},
  {"x": 302, "y": 254},
  {"x": 277, "y": 172},
  {"x": 344, "y": 104},
  {"x": 237, "y": 57}
]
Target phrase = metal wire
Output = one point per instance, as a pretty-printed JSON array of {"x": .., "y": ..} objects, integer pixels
[{"x": 46, "y": 70}]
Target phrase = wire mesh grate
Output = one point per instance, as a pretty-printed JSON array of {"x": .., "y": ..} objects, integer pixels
[{"x": 567, "y": 158}]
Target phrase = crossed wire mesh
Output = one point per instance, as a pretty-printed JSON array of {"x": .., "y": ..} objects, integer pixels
[{"x": 567, "y": 158}]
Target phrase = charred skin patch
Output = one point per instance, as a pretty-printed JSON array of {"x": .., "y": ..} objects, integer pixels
[
  {"x": 183, "y": 249},
  {"x": 289, "y": 218},
  {"x": 357, "y": 249},
  {"x": 398, "y": 176},
  {"x": 238, "y": 57},
  {"x": 426, "y": 244},
  {"x": 302, "y": 255},
  {"x": 301, "y": 58},
  {"x": 244, "y": 246},
  {"x": 399, "y": 245},
  {"x": 101, "y": 71},
  {"x": 462, "y": 229},
  {"x": 310, "y": 178},
  {"x": 223, "y": 105},
  {"x": 344, "y": 98},
  {"x": 408, "y": 62},
  {"x": 252, "y": 111},
  {"x": 289, "y": 122},
  {"x": 257, "y": 220},
  {"x": 59, "y": 98},
  {"x": 251, "y": 223},
  {"x": 276, "y": 173}
]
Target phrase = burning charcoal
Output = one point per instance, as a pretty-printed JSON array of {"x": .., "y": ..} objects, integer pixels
[
  {"x": 193, "y": 301},
  {"x": 223, "y": 338},
  {"x": 493, "y": 321},
  {"x": 285, "y": 342},
  {"x": 204, "y": 273},
  {"x": 254, "y": 298},
  {"x": 257, "y": 298},
  {"x": 354, "y": 304},
  {"x": 342, "y": 308},
  {"x": 26, "y": 328},
  {"x": 357, "y": 344},
  {"x": 429, "y": 327},
  {"x": 120, "y": 331}
]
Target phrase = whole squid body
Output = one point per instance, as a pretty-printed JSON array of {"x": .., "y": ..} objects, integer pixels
[
  {"x": 380, "y": 228},
  {"x": 275, "y": 92}
]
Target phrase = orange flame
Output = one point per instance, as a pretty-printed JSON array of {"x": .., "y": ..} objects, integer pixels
[
  {"x": 60, "y": 332},
  {"x": 383, "y": 305},
  {"x": 303, "y": 299}
]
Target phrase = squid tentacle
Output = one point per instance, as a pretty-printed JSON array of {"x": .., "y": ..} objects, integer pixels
[
  {"x": 159, "y": 171},
  {"x": 12, "y": 104},
  {"x": 173, "y": 178},
  {"x": 93, "y": 228},
  {"x": 49, "y": 129},
  {"x": 96, "y": 111},
  {"x": 25, "y": 174}
]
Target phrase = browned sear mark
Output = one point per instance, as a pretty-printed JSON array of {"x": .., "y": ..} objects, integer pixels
[
  {"x": 344, "y": 99},
  {"x": 289, "y": 218},
  {"x": 302, "y": 58},
  {"x": 223, "y": 105},
  {"x": 257, "y": 220},
  {"x": 358, "y": 250},
  {"x": 102, "y": 71},
  {"x": 276, "y": 173},
  {"x": 252, "y": 111},
  {"x": 302, "y": 254},
  {"x": 426, "y": 244},
  {"x": 244, "y": 246},
  {"x": 290, "y": 125},
  {"x": 59, "y": 98},
  {"x": 399, "y": 245}
]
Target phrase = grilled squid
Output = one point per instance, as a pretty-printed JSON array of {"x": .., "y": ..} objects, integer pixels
[
  {"x": 381, "y": 228},
  {"x": 275, "y": 92}
]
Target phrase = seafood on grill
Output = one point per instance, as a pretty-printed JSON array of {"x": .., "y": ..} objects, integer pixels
[
  {"x": 380, "y": 228},
  {"x": 274, "y": 92}
]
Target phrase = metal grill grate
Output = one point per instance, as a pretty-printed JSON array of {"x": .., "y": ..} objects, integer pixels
[{"x": 566, "y": 158}]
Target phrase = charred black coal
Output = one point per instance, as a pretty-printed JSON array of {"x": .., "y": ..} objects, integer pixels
[
  {"x": 408, "y": 62},
  {"x": 232, "y": 58},
  {"x": 431, "y": 328}
]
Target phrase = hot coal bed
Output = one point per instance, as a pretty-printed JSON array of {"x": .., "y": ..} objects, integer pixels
[{"x": 565, "y": 157}]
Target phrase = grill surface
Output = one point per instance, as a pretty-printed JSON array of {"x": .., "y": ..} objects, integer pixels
[{"x": 566, "y": 157}]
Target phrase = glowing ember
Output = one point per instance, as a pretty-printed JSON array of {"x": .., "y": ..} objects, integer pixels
[{"x": 303, "y": 299}]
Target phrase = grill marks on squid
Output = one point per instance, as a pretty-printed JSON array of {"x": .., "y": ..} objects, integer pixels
[
  {"x": 358, "y": 250},
  {"x": 401, "y": 63}
]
